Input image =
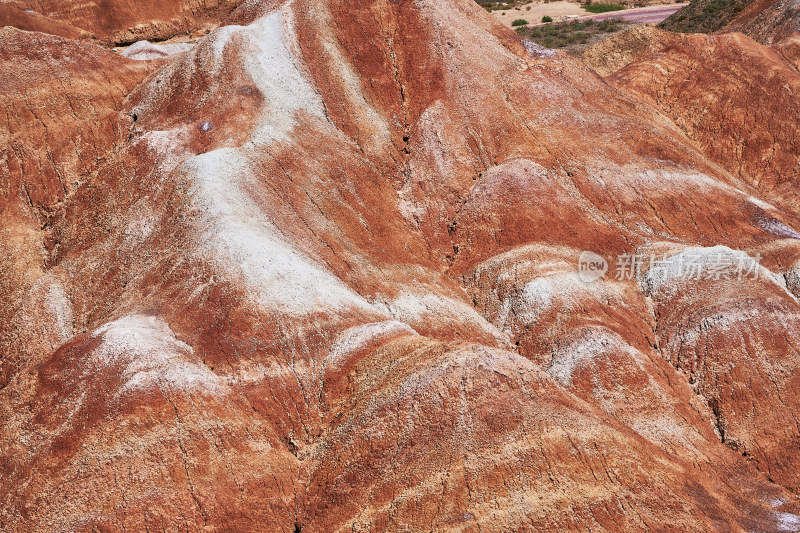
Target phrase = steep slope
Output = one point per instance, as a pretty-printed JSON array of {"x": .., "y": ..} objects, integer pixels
[
  {"x": 325, "y": 280},
  {"x": 734, "y": 97},
  {"x": 626, "y": 47},
  {"x": 61, "y": 101},
  {"x": 705, "y": 16},
  {"x": 768, "y": 21},
  {"x": 18, "y": 16},
  {"x": 115, "y": 21}
]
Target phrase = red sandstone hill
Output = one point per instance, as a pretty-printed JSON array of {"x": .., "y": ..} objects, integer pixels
[
  {"x": 734, "y": 97},
  {"x": 767, "y": 21},
  {"x": 115, "y": 21},
  {"x": 320, "y": 273}
]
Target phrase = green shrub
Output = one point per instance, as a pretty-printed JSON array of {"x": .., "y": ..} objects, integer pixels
[
  {"x": 519, "y": 22},
  {"x": 547, "y": 18},
  {"x": 704, "y": 16},
  {"x": 602, "y": 8},
  {"x": 566, "y": 34}
]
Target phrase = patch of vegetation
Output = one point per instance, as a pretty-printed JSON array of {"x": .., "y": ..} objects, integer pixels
[
  {"x": 602, "y": 8},
  {"x": 519, "y": 22},
  {"x": 547, "y": 18},
  {"x": 704, "y": 16},
  {"x": 564, "y": 34},
  {"x": 492, "y": 5}
]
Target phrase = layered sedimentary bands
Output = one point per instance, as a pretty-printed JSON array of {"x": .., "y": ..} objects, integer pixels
[
  {"x": 320, "y": 273},
  {"x": 733, "y": 96},
  {"x": 766, "y": 21},
  {"x": 115, "y": 21}
]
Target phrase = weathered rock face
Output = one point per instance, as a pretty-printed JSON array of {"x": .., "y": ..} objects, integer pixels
[
  {"x": 21, "y": 17},
  {"x": 704, "y": 16},
  {"x": 115, "y": 21},
  {"x": 323, "y": 277},
  {"x": 767, "y": 21},
  {"x": 626, "y": 47},
  {"x": 61, "y": 101},
  {"x": 705, "y": 330},
  {"x": 733, "y": 96}
]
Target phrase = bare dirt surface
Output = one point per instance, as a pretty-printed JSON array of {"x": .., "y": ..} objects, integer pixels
[
  {"x": 145, "y": 50},
  {"x": 534, "y": 15},
  {"x": 563, "y": 10},
  {"x": 322, "y": 272},
  {"x": 116, "y": 22},
  {"x": 673, "y": 72},
  {"x": 624, "y": 48},
  {"x": 767, "y": 21}
]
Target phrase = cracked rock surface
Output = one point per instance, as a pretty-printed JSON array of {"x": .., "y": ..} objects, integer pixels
[{"x": 320, "y": 273}]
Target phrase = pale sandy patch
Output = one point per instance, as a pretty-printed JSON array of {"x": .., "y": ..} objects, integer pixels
[{"x": 538, "y": 10}]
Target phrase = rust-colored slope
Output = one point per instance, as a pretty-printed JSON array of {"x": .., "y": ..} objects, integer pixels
[
  {"x": 733, "y": 96},
  {"x": 20, "y": 17},
  {"x": 115, "y": 21},
  {"x": 325, "y": 279},
  {"x": 767, "y": 21},
  {"x": 60, "y": 100},
  {"x": 736, "y": 99}
]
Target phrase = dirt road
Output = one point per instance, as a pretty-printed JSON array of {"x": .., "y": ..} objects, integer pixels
[
  {"x": 562, "y": 10},
  {"x": 645, "y": 15}
]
